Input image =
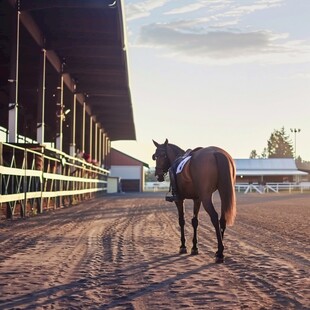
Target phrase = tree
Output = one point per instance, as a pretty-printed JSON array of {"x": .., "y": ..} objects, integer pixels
[
  {"x": 253, "y": 154},
  {"x": 150, "y": 176},
  {"x": 279, "y": 145},
  {"x": 264, "y": 153},
  {"x": 302, "y": 164}
]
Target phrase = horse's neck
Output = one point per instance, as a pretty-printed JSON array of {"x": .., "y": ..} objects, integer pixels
[{"x": 174, "y": 152}]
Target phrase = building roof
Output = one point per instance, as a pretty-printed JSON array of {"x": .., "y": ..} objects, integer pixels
[
  {"x": 120, "y": 158},
  {"x": 85, "y": 41},
  {"x": 268, "y": 166}
]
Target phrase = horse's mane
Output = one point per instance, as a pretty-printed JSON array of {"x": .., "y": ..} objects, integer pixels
[{"x": 176, "y": 150}]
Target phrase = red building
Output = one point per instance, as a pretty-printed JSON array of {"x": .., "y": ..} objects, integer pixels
[{"x": 129, "y": 170}]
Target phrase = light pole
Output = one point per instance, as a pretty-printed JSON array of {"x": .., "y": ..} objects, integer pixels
[{"x": 295, "y": 131}]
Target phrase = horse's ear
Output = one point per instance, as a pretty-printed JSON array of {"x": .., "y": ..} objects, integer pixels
[
  {"x": 166, "y": 142},
  {"x": 155, "y": 143}
]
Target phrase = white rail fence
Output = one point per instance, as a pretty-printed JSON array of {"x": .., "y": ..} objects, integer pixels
[
  {"x": 244, "y": 187},
  {"x": 34, "y": 178},
  {"x": 156, "y": 186},
  {"x": 272, "y": 187}
]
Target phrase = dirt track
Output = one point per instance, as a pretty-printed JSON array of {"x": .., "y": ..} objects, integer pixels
[{"x": 121, "y": 252}]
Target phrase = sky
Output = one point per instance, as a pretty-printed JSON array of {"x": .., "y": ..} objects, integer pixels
[{"x": 218, "y": 72}]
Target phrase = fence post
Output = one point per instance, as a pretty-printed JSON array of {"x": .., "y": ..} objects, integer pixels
[
  {"x": 1, "y": 164},
  {"x": 40, "y": 166},
  {"x": 23, "y": 206}
]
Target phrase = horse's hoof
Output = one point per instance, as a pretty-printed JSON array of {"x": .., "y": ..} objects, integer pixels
[
  {"x": 183, "y": 251},
  {"x": 219, "y": 260},
  {"x": 194, "y": 252}
]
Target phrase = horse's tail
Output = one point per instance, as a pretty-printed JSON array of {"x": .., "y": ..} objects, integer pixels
[{"x": 226, "y": 186}]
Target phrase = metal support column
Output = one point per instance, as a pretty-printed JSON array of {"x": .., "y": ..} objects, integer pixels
[
  {"x": 90, "y": 136},
  {"x": 100, "y": 147},
  {"x": 96, "y": 142},
  {"x": 104, "y": 149},
  {"x": 41, "y": 99},
  {"x": 73, "y": 133},
  {"x": 83, "y": 129},
  {"x": 13, "y": 80},
  {"x": 108, "y": 152},
  {"x": 60, "y": 113}
]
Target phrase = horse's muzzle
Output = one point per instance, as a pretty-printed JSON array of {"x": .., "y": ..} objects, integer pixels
[
  {"x": 160, "y": 178},
  {"x": 159, "y": 174}
]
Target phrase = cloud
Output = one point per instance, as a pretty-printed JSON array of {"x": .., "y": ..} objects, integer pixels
[
  {"x": 297, "y": 76},
  {"x": 143, "y": 8},
  {"x": 217, "y": 37},
  {"x": 219, "y": 44},
  {"x": 248, "y": 9},
  {"x": 216, "y": 10},
  {"x": 233, "y": 8},
  {"x": 186, "y": 9},
  {"x": 212, "y": 6},
  {"x": 223, "y": 46}
]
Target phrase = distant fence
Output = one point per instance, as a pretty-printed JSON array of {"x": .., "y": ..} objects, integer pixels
[
  {"x": 272, "y": 187},
  {"x": 243, "y": 187},
  {"x": 34, "y": 178},
  {"x": 156, "y": 186}
]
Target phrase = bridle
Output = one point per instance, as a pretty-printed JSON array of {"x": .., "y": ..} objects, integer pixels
[{"x": 161, "y": 153}]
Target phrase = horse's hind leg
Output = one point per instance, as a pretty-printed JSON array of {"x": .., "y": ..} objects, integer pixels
[
  {"x": 209, "y": 207},
  {"x": 180, "y": 207},
  {"x": 194, "y": 250},
  {"x": 223, "y": 225}
]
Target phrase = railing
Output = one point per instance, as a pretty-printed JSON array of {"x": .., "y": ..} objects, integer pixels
[
  {"x": 244, "y": 187},
  {"x": 272, "y": 187},
  {"x": 4, "y": 134},
  {"x": 156, "y": 186},
  {"x": 34, "y": 178}
]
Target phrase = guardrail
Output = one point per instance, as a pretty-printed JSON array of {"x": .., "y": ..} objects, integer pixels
[{"x": 34, "y": 178}]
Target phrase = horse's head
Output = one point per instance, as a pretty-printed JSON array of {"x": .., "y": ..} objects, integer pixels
[{"x": 162, "y": 160}]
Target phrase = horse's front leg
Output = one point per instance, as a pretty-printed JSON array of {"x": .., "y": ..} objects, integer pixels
[
  {"x": 180, "y": 207},
  {"x": 194, "y": 250}
]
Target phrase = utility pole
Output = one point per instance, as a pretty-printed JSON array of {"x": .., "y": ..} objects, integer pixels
[{"x": 295, "y": 131}]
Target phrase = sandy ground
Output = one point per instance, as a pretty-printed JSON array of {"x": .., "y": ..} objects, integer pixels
[{"x": 121, "y": 252}]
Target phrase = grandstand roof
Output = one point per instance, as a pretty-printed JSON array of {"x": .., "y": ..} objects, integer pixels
[{"x": 85, "y": 41}]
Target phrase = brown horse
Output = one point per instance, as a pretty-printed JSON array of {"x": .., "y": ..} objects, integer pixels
[{"x": 209, "y": 169}]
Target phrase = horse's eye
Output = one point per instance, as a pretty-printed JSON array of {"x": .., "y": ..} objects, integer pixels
[{"x": 154, "y": 157}]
